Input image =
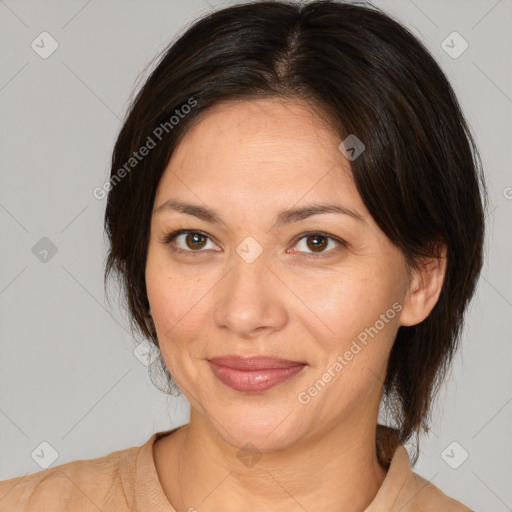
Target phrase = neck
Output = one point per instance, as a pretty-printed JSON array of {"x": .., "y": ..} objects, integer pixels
[{"x": 337, "y": 470}]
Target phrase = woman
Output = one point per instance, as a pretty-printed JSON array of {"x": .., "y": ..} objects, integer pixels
[{"x": 295, "y": 212}]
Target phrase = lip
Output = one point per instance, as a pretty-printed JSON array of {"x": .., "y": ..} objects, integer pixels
[
  {"x": 254, "y": 362},
  {"x": 254, "y": 374}
]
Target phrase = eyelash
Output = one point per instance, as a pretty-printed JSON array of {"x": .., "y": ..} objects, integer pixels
[{"x": 168, "y": 238}]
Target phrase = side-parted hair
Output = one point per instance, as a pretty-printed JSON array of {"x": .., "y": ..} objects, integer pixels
[{"x": 420, "y": 176}]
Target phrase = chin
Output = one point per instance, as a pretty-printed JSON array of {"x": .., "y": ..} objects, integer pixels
[{"x": 269, "y": 431}]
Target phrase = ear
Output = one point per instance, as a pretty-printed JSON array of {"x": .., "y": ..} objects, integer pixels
[{"x": 425, "y": 287}]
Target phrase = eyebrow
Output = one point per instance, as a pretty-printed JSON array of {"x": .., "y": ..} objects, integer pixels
[{"x": 284, "y": 218}]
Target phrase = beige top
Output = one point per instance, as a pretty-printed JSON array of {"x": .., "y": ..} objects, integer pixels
[{"x": 126, "y": 480}]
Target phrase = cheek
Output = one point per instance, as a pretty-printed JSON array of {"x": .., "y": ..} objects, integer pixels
[
  {"x": 178, "y": 318},
  {"x": 173, "y": 296},
  {"x": 344, "y": 304},
  {"x": 362, "y": 324},
  {"x": 180, "y": 310},
  {"x": 352, "y": 354}
]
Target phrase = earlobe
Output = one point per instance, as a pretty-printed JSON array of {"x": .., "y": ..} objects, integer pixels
[{"x": 424, "y": 290}]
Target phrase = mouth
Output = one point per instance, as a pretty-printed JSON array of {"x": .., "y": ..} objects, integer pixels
[{"x": 254, "y": 374}]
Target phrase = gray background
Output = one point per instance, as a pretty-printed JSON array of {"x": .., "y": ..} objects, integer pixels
[{"x": 68, "y": 373}]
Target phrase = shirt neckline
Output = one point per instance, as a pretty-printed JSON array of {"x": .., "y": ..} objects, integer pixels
[{"x": 150, "y": 496}]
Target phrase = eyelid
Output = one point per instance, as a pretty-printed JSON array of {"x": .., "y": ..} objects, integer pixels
[{"x": 168, "y": 238}]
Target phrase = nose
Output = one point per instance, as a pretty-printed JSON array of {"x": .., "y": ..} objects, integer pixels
[{"x": 250, "y": 299}]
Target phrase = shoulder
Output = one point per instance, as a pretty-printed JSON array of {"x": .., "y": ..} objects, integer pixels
[
  {"x": 83, "y": 484},
  {"x": 404, "y": 490},
  {"x": 427, "y": 496}
]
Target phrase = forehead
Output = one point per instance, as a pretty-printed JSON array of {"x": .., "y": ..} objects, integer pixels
[{"x": 255, "y": 149}]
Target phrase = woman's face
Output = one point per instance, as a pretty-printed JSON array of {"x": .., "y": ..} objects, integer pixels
[{"x": 250, "y": 286}]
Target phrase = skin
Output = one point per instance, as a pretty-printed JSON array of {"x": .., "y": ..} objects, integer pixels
[{"x": 249, "y": 161}]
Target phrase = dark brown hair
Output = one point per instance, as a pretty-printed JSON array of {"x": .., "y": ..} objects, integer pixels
[{"x": 420, "y": 175}]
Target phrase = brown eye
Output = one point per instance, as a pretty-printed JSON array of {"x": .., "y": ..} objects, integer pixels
[
  {"x": 195, "y": 240},
  {"x": 188, "y": 241},
  {"x": 316, "y": 243}
]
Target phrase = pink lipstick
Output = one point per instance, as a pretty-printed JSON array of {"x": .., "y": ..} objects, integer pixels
[{"x": 254, "y": 374}]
